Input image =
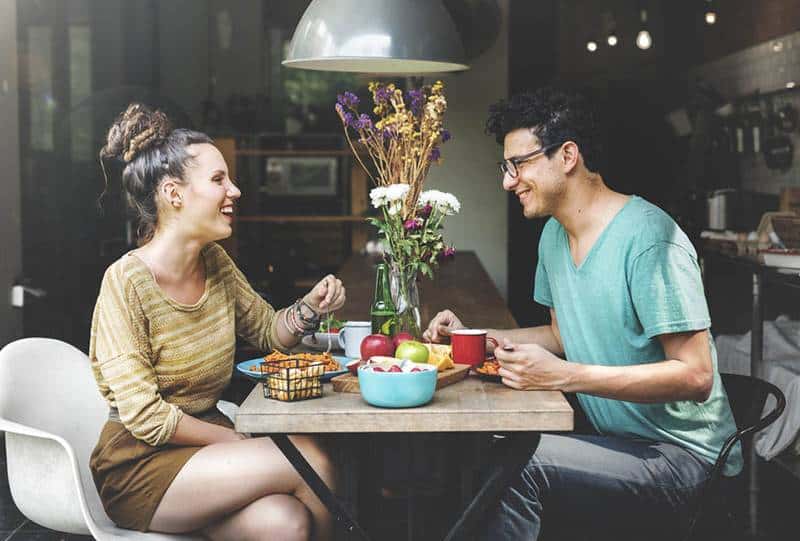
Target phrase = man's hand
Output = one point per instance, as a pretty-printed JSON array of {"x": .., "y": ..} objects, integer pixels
[
  {"x": 441, "y": 326},
  {"x": 530, "y": 366},
  {"x": 327, "y": 296}
]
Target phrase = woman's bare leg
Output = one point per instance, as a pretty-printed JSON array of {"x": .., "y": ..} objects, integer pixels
[
  {"x": 278, "y": 517},
  {"x": 223, "y": 478}
]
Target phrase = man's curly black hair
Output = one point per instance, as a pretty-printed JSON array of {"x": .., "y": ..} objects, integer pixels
[{"x": 555, "y": 116}]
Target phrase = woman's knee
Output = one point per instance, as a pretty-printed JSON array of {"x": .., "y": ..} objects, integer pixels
[{"x": 276, "y": 517}]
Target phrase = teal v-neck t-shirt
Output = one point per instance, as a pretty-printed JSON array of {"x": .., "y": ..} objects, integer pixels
[{"x": 641, "y": 279}]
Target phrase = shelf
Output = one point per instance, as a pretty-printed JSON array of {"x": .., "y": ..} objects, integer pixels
[{"x": 294, "y": 219}]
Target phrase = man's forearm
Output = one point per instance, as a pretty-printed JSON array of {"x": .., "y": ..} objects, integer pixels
[
  {"x": 664, "y": 381},
  {"x": 542, "y": 335}
]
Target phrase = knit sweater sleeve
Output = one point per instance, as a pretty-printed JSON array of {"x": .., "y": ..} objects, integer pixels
[
  {"x": 256, "y": 319},
  {"x": 120, "y": 353}
]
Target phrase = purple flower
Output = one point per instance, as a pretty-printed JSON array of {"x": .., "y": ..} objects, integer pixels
[
  {"x": 412, "y": 224},
  {"x": 339, "y": 108},
  {"x": 388, "y": 133},
  {"x": 425, "y": 211},
  {"x": 349, "y": 119},
  {"x": 348, "y": 99},
  {"x": 363, "y": 122},
  {"x": 447, "y": 253},
  {"x": 417, "y": 101},
  {"x": 382, "y": 95},
  {"x": 446, "y": 136},
  {"x": 435, "y": 154}
]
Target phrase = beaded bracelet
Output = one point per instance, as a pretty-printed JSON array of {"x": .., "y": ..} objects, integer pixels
[{"x": 290, "y": 326}]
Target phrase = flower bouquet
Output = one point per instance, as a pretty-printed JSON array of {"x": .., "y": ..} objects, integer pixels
[{"x": 402, "y": 141}]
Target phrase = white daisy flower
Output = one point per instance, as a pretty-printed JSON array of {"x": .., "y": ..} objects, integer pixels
[
  {"x": 397, "y": 192},
  {"x": 450, "y": 204},
  {"x": 378, "y": 196},
  {"x": 430, "y": 197},
  {"x": 444, "y": 202}
]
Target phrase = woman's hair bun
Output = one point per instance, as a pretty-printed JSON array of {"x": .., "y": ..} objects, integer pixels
[{"x": 134, "y": 131}]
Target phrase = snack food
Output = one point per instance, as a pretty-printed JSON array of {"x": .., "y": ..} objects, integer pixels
[
  {"x": 489, "y": 368},
  {"x": 292, "y": 379},
  {"x": 331, "y": 365}
]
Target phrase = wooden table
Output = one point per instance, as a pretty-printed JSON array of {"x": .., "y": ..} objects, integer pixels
[
  {"x": 460, "y": 284},
  {"x": 471, "y": 405}
]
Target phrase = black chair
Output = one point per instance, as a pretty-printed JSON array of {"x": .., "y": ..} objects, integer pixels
[{"x": 747, "y": 396}]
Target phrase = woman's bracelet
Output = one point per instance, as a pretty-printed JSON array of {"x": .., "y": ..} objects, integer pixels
[
  {"x": 312, "y": 320},
  {"x": 297, "y": 323}
]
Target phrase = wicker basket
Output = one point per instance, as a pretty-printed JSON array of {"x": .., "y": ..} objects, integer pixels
[{"x": 292, "y": 379}]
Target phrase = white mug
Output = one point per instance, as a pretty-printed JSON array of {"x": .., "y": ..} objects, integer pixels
[{"x": 351, "y": 335}]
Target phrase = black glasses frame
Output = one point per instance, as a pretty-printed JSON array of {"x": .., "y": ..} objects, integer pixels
[{"x": 511, "y": 165}]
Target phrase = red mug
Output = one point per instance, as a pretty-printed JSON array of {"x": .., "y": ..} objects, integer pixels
[{"x": 469, "y": 346}]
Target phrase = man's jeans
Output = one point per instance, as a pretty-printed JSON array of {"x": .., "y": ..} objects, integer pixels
[{"x": 597, "y": 487}]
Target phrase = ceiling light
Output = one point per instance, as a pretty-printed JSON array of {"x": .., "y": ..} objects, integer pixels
[
  {"x": 711, "y": 13},
  {"x": 379, "y": 36},
  {"x": 612, "y": 39},
  {"x": 643, "y": 39},
  {"x": 591, "y": 46}
]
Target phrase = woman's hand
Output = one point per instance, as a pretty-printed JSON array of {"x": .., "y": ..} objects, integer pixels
[
  {"x": 327, "y": 296},
  {"x": 530, "y": 366},
  {"x": 441, "y": 326}
]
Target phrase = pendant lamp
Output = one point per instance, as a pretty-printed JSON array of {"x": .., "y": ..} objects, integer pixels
[{"x": 376, "y": 36}]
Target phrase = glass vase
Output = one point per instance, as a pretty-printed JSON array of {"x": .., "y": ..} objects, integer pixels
[{"x": 405, "y": 295}]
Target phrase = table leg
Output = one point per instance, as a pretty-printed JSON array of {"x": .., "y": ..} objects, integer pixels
[
  {"x": 756, "y": 354},
  {"x": 336, "y": 507},
  {"x": 411, "y": 502},
  {"x": 504, "y": 469}
]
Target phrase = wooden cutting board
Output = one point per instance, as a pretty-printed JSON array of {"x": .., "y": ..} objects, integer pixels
[{"x": 348, "y": 383}]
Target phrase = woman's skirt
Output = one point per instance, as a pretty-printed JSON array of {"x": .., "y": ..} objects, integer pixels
[{"x": 132, "y": 476}]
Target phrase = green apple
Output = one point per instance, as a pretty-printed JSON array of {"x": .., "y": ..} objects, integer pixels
[{"x": 412, "y": 351}]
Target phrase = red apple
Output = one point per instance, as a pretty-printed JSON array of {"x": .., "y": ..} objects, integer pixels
[
  {"x": 401, "y": 337},
  {"x": 376, "y": 345}
]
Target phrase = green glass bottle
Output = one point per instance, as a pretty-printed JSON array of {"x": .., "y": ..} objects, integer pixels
[{"x": 383, "y": 313}]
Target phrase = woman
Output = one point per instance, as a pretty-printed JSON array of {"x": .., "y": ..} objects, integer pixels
[{"x": 162, "y": 349}]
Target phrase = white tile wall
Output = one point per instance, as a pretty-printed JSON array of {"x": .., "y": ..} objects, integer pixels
[{"x": 761, "y": 68}]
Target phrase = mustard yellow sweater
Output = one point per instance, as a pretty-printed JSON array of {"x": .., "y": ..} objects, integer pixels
[{"x": 155, "y": 358}]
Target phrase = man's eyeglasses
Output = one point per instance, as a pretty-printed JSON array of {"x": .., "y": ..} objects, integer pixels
[{"x": 511, "y": 165}]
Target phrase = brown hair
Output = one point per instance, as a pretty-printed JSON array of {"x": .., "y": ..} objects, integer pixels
[{"x": 150, "y": 150}]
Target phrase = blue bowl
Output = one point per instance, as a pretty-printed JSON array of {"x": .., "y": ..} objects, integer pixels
[{"x": 397, "y": 389}]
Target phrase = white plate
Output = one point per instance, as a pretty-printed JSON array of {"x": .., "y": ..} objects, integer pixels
[{"x": 319, "y": 341}]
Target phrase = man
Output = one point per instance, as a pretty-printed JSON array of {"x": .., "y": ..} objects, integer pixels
[{"x": 628, "y": 314}]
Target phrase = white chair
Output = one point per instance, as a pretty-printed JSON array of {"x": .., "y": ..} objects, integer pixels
[{"x": 52, "y": 413}]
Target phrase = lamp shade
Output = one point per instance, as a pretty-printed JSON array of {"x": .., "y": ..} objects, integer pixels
[{"x": 376, "y": 36}]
